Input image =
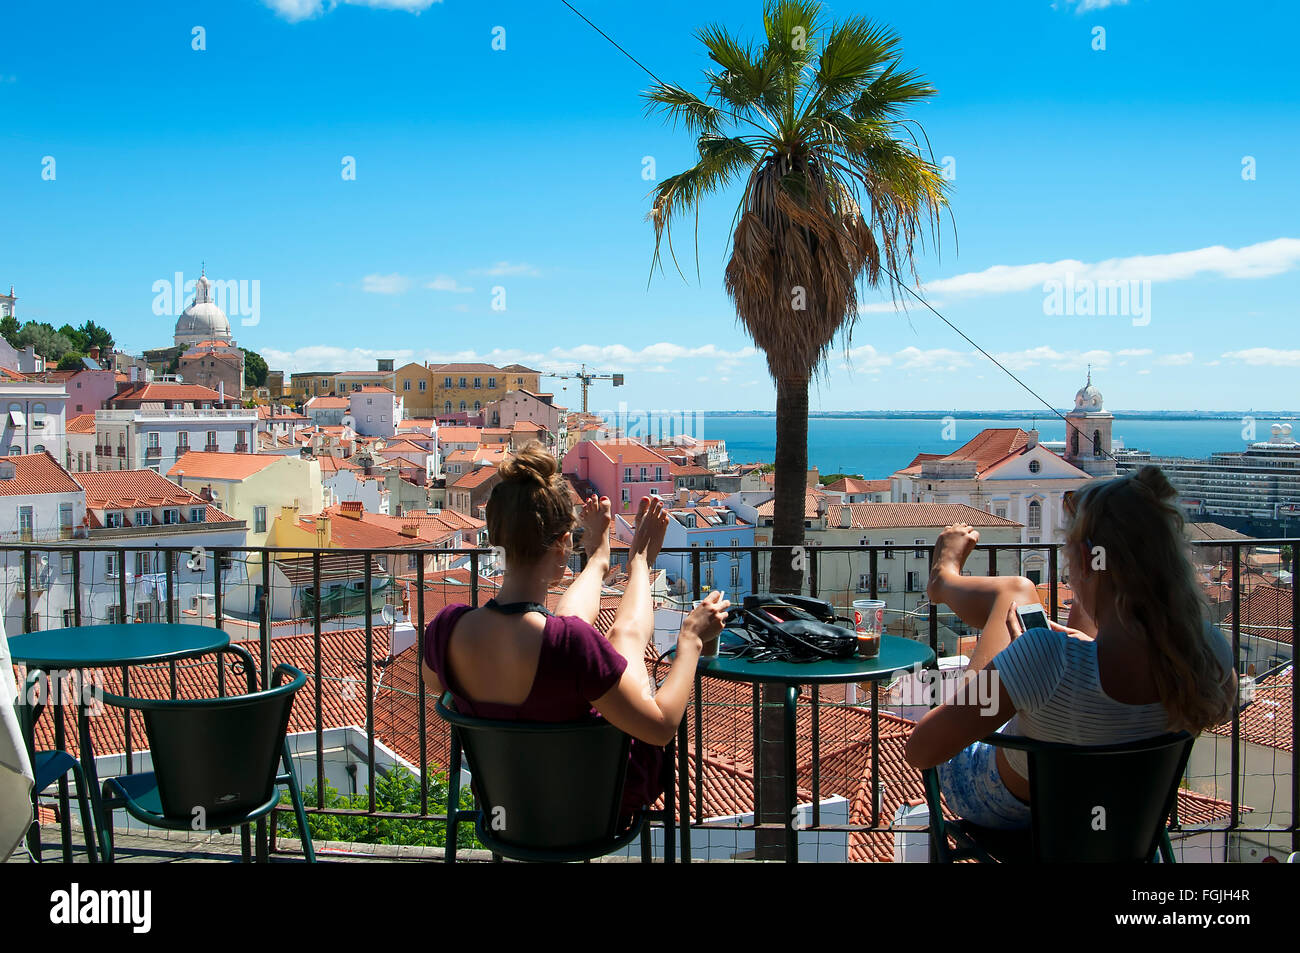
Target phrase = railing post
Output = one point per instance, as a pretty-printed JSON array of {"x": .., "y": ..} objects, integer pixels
[
  {"x": 316, "y": 660},
  {"x": 370, "y": 686},
  {"x": 1234, "y": 794},
  {"x": 420, "y": 701}
]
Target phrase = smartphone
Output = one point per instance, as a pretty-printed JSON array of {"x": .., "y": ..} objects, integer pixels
[{"x": 1032, "y": 617}]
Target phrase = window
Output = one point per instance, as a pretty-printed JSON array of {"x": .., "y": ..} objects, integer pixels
[
  {"x": 198, "y": 514},
  {"x": 446, "y": 407},
  {"x": 863, "y": 581},
  {"x": 212, "y": 438},
  {"x": 39, "y": 448},
  {"x": 25, "y": 522},
  {"x": 477, "y": 406},
  {"x": 324, "y": 382},
  {"x": 643, "y": 474},
  {"x": 406, "y": 384},
  {"x": 65, "y": 563},
  {"x": 1034, "y": 521},
  {"x": 114, "y": 615},
  {"x": 110, "y": 564},
  {"x": 446, "y": 382},
  {"x": 913, "y": 581},
  {"x": 65, "y": 520},
  {"x": 735, "y": 577},
  {"x": 627, "y": 474},
  {"x": 478, "y": 382},
  {"x": 882, "y": 582},
  {"x": 113, "y": 519},
  {"x": 144, "y": 564},
  {"x": 659, "y": 475},
  {"x": 69, "y": 618},
  {"x": 462, "y": 382},
  {"x": 144, "y": 612},
  {"x": 171, "y": 516},
  {"x": 627, "y": 495},
  {"x": 888, "y": 554},
  {"x": 492, "y": 382},
  {"x": 920, "y": 549},
  {"x": 38, "y": 415},
  {"x": 183, "y": 440},
  {"x": 15, "y": 451},
  {"x": 463, "y": 407},
  {"x": 259, "y": 519},
  {"x": 1000, "y": 509},
  {"x": 143, "y": 517},
  {"x": 1034, "y": 466}
]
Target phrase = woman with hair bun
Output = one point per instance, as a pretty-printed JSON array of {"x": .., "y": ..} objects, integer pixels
[
  {"x": 513, "y": 659},
  {"x": 1145, "y": 660}
]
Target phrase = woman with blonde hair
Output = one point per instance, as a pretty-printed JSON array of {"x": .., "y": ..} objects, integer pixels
[
  {"x": 513, "y": 659},
  {"x": 1145, "y": 660}
]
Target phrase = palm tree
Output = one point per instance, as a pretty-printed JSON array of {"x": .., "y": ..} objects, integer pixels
[{"x": 836, "y": 190}]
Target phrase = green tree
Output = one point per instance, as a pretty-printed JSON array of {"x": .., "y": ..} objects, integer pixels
[
  {"x": 255, "y": 369},
  {"x": 834, "y": 190},
  {"x": 76, "y": 338},
  {"x": 396, "y": 792},
  {"x": 9, "y": 327},
  {"x": 49, "y": 343},
  {"x": 96, "y": 336},
  {"x": 72, "y": 361}
]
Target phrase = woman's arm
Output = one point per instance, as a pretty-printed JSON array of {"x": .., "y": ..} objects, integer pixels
[
  {"x": 652, "y": 716},
  {"x": 431, "y": 683},
  {"x": 980, "y": 707}
]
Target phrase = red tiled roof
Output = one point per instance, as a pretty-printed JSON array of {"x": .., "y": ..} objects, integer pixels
[
  {"x": 202, "y": 465},
  {"x": 889, "y": 515},
  {"x": 854, "y": 485},
  {"x": 1265, "y": 613},
  {"x": 810, "y": 500},
  {"x": 630, "y": 451},
  {"x": 169, "y": 392},
  {"x": 123, "y": 489},
  {"x": 1266, "y": 718},
  {"x": 82, "y": 423},
  {"x": 459, "y": 435},
  {"x": 327, "y": 403},
  {"x": 37, "y": 473}
]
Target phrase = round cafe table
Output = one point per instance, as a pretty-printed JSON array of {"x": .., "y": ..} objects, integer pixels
[
  {"x": 896, "y": 655},
  {"x": 77, "y": 648}
]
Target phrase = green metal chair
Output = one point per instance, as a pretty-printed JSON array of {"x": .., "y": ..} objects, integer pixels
[
  {"x": 1104, "y": 804},
  {"x": 547, "y": 792},
  {"x": 47, "y": 768},
  {"x": 214, "y": 763}
]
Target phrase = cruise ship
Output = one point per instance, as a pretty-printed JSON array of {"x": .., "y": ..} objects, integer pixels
[{"x": 1257, "y": 487}]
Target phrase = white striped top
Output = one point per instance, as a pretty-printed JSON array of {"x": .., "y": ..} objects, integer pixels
[{"x": 1053, "y": 681}]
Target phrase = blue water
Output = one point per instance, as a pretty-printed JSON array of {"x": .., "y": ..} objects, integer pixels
[{"x": 876, "y": 448}]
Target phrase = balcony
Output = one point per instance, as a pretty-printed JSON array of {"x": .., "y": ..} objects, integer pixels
[
  {"x": 153, "y": 453},
  {"x": 365, "y": 702}
]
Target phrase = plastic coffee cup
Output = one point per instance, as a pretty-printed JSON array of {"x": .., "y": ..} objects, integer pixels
[
  {"x": 869, "y": 624},
  {"x": 710, "y": 649}
]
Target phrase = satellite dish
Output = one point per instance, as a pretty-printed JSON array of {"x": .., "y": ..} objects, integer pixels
[{"x": 387, "y": 614}]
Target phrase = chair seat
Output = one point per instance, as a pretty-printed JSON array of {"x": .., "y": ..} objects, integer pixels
[
  {"x": 1006, "y": 847},
  {"x": 138, "y": 793},
  {"x": 49, "y": 766},
  {"x": 571, "y": 855}
]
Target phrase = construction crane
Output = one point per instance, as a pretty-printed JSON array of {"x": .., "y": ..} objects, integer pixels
[{"x": 587, "y": 377}]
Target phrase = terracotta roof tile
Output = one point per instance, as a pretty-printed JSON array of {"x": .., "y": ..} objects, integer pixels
[
  {"x": 202, "y": 465},
  {"x": 37, "y": 473}
]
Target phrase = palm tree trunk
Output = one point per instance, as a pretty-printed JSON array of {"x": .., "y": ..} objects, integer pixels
[{"x": 786, "y": 576}]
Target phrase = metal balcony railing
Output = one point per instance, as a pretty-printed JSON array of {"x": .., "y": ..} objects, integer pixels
[{"x": 77, "y": 588}]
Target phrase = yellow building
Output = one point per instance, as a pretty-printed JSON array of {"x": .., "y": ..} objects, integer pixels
[
  {"x": 468, "y": 388},
  {"x": 305, "y": 385},
  {"x": 252, "y": 487}
]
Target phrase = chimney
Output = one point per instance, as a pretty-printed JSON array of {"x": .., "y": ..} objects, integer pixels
[
  {"x": 221, "y": 392},
  {"x": 94, "y": 353},
  {"x": 846, "y": 516},
  {"x": 135, "y": 374},
  {"x": 410, "y": 530},
  {"x": 324, "y": 534},
  {"x": 289, "y": 513},
  {"x": 352, "y": 509},
  {"x": 1032, "y": 440}
]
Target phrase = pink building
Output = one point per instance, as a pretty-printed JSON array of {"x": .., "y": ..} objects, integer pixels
[{"x": 622, "y": 470}]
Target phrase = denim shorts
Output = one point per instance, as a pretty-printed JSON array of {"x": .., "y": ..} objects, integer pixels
[{"x": 974, "y": 790}]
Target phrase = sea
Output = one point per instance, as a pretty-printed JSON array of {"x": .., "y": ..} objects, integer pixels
[{"x": 875, "y": 447}]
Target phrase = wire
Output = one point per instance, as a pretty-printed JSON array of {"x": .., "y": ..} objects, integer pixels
[{"x": 613, "y": 43}]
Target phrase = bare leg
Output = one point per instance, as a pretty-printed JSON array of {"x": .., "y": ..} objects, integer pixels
[
  {"x": 634, "y": 623},
  {"x": 582, "y": 598},
  {"x": 975, "y": 599}
]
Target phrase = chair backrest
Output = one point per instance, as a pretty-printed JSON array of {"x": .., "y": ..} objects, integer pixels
[
  {"x": 217, "y": 754},
  {"x": 544, "y": 785},
  {"x": 1106, "y": 804}
]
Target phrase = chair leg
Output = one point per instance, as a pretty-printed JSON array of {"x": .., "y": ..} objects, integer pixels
[
  {"x": 299, "y": 810},
  {"x": 87, "y": 818},
  {"x": 106, "y": 834},
  {"x": 245, "y": 844},
  {"x": 647, "y": 855},
  {"x": 453, "y": 800},
  {"x": 65, "y": 820}
]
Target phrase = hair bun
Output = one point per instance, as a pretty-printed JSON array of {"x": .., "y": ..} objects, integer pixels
[
  {"x": 1153, "y": 479},
  {"x": 530, "y": 465}
]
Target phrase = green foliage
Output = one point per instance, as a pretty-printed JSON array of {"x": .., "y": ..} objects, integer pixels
[
  {"x": 9, "y": 327},
  {"x": 54, "y": 345},
  {"x": 396, "y": 792},
  {"x": 49, "y": 343},
  {"x": 826, "y": 478},
  {"x": 255, "y": 369},
  {"x": 72, "y": 361}
]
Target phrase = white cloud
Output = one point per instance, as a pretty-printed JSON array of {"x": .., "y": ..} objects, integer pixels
[
  {"x": 866, "y": 357},
  {"x": 297, "y": 10},
  {"x": 507, "y": 269},
  {"x": 385, "y": 284},
  {"x": 1265, "y": 357},
  {"x": 939, "y": 358},
  {"x": 1083, "y": 6},
  {"x": 1061, "y": 360},
  {"x": 447, "y": 283},
  {"x": 1261, "y": 260},
  {"x": 1176, "y": 360},
  {"x": 1134, "y": 352}
]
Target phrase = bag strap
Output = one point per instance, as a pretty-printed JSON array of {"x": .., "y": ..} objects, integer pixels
[{"x": 517, "y": 608}]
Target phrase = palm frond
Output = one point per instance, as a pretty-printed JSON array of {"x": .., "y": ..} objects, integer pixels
[{"x": 683, "y": 108}]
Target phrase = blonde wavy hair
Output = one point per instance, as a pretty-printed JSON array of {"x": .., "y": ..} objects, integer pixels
[{"x": 1131, "y": 531}]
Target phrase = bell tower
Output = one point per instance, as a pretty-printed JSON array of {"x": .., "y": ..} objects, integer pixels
[{"x": 1088, "y": 432}]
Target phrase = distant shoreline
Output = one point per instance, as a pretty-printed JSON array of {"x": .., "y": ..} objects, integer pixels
[{"x": 1010, "y": 414}]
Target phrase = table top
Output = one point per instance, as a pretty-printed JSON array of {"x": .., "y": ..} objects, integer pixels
[
  {"x": 108, "y": 646},
  {"x": 896, "y": 654}
]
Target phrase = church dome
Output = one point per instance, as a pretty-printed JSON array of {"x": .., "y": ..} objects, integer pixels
[
  {"x": 1088, "y": 397},
  {"x": 202, "y": 320}
]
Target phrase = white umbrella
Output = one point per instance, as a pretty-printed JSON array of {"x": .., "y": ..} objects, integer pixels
[{"x": 15, "y": 767}]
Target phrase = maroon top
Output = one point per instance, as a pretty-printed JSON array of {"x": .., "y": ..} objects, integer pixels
[{"x": 576, "y": 665}]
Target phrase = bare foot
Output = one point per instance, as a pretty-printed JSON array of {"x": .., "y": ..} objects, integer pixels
[
  {"x": 651, "y": 522},
  {"x": 595, "y": 519},
  {"x": 955, "y": 544}
]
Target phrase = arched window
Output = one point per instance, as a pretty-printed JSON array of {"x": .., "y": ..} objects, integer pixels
[
  {"x": 477, "y": 406},
  {"x": 446, "y": 407},
  {"x": 15, "y": 451},
  {"x": 1096, "y": 443},
  {"x": 39, "y": 448},
  {"x": 463, "y": 407},
  {"x": 1034, "y": 522},
  {"x": 1074, "y": 441}
]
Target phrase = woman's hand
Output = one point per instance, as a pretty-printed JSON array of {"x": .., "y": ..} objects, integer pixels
[
  {"x": 705, "y": 620},
  {"x": 595, "y": 520}
]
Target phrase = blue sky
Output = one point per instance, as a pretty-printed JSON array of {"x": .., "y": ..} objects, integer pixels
[{"x": 520, "y": 169}]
